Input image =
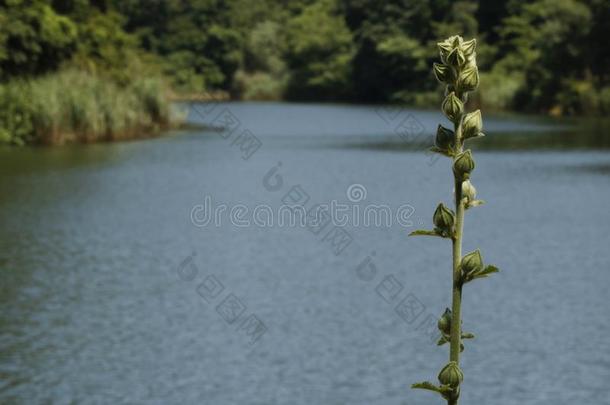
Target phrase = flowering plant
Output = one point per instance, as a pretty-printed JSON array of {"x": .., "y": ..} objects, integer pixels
[{"x": 459, "y": 72}]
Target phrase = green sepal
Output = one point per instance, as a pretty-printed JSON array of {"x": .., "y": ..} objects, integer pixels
[
  {"x": 444, "y": 139},
  {"x": 442, "y": 340},
  {"x": 469, "y": 79},
  {"x": 453, "y": 107},
  {"x": 464, "y": 164},
  {"x": 468, "y": 47},
  {"x": 451, "y": 375},
  {"x": 443, "y": 73},
  {"x": 444, "y": 220},
  {"x": 456, "y": 57},
  {"x": 486, "y": 272},
  {"x": 472, "y": 124},
  {"x": 443, "y": 234},
  {"x": 483, "y": 273}
]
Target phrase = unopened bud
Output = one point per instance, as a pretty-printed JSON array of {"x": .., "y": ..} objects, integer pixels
[
  {"x": 444, "y": 323},
  {"x": 451, "y": 375},
  {"x": 468, "y": 191},
  {"x": 445, "y": 138},
  {"x": 472, "y": 124},
  {"x": 453, "y": 107},
  {"x": 472, "y": 263},
  {"x": 444, "y": 49},
  {"x": 443, "y": 73},
  {"x": 469, "y": 78},
  {"x": 444, "y": 219},
  {"x": 463, "y": 165},
  {"x": 456, "y": 40},
  {"x": 456, "y": 58},
  {"x": 468, "y": 47}
]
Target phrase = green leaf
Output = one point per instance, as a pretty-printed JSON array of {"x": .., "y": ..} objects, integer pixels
[
  {"x": 426, "y": 385},
  {"x": 467, "y": 336},
  {"x": 442, "y": 341},
  {"x": 424, "y": 232},
  {"x": 486, "y": 272}
]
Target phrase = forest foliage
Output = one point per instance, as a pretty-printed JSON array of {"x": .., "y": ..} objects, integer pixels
[{"x": 537, "y": 56}]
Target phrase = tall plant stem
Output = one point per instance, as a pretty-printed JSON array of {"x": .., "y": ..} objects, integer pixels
[{"x": 456, "y": 330}]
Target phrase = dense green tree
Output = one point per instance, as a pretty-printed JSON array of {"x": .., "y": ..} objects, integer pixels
[
  {"x": 34, "y": 39},
  {"x": 196, "y": 39},
  {"x": 319, "y": 53},
  {"x": 540, "y": 55}
]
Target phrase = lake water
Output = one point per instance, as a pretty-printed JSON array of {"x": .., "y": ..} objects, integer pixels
[{"x": 116, "y": 290}]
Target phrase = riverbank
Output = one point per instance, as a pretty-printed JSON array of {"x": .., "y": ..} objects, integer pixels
[{"x": 78, "y": 107}]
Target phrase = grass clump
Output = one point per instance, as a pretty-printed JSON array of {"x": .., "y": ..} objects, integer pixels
[{"x": 75, "y": 106}]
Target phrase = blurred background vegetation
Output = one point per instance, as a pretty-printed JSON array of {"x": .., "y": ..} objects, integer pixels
[{"x": 90, "y": 70}]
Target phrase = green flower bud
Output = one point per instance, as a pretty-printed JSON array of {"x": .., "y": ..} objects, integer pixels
[
  {"x": 456, "y": 58},
  {"x": 472, "y": 263},
  {"x": 444, "y": 49},
  {"x": 468, "y": 47},
  {"x": 453, "y": 107},
  {"x": 443, "y": 73},
  {"x": 455, "y": 40},
  {"x": 469, "y": 78},
  {"x": 451, "y": 375},
  {"x": 468, "y": 191},
  {"x": 472, "y": 124},
  {"x": 445, "y": 138},
  {"x": 444, "y": 323},
  {"x": 444, "y": 219},
  {"x": 463, "y": 165},
  {"x": 471, "y": 61}
]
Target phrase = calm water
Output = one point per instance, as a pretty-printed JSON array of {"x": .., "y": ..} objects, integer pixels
[{"x": 110, "y": 293}]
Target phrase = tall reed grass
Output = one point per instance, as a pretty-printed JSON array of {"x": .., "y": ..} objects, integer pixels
[{"x": 74, "y": 106}]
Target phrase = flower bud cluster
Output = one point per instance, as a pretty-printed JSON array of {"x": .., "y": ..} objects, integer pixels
[{"x": 459, "y": 73}]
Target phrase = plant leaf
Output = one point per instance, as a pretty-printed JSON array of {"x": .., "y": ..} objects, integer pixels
[
  {"x": 486, "y": 272},
  {"x": 426, "y": 385},
  {"x": 467, "y": 335},
  {"x": 424, "y": 232},
  {"x": 442, "y": 341}
]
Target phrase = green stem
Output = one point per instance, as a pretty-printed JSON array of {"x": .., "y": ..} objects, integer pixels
[{"x": 456, "y": 333}]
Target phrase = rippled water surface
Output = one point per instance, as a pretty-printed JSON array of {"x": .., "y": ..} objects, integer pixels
[{"x": 113, "y": 292}]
